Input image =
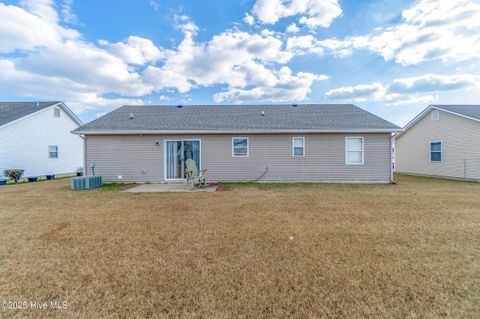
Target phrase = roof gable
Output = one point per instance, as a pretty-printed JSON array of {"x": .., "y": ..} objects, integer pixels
[
  {"x": 12, "y": 111},
  {"x": 471, "y": 112},
  {"x": 236, "y": 118}
]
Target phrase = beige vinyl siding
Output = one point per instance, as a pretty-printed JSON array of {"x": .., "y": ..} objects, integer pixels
[
  {"x": 138, "y": 159},
  {"x": 461, "y": 147}
]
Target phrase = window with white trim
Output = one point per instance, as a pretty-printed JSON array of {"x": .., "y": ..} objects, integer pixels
[
  {"x": 435, "y": 115},
  {"x": 56, "y": 112},
  {"x": 298, "y": 147},
  {"x": 53, "y": 151},
  {"x": 354, "y": 150},
  {"x": 436, "y": 151},
  {"x": 240, "y": 146}
]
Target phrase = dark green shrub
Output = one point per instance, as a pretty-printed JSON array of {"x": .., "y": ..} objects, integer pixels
[{"x": 14, "y": 174}]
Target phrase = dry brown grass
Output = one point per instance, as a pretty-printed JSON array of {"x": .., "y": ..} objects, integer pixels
[{"x": 406, "y": 251}]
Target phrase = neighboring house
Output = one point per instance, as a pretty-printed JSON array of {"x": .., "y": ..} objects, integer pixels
[
  {"x": 276, "y": 143},
  {"x": 36, "y": 137},
  {"x": 443, "y": 141}
]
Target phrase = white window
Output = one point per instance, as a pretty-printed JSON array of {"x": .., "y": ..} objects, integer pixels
[
  {"x": 436, "y": 151},
  {"x": 240, "y": 146},
  {"x": 56, "y": 112},
  {"x": 354, "y": 150},
  {"x": 435, "y": 115},
  {"x": 298, "y": 147},
  {"x": 53, "y": 151}
]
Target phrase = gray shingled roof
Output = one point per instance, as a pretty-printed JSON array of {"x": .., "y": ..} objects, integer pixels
[
  {"x": 467, "y": 110},
  {"x": 11, "y": 111},
  {"x": 239, "y": 118}
]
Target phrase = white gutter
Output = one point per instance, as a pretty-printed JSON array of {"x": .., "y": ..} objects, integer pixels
[{"x": 170, "y": 132}]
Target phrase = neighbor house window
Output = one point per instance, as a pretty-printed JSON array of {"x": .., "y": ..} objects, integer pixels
[
  {"x": 240, "y": 146},
  {"x": 354, "y": 150},
  {"x": 435, "y": 115},
  {"x": 56, "y": 112},
  {"x": 436, "y": 151},
  {"x": 53, "y": 151},
  {"x": 298, "y": 146}
]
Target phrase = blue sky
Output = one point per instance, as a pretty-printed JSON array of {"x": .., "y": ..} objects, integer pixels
[{"x": 392, "y": 58}]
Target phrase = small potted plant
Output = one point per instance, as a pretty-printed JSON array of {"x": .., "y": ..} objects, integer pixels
[{"x": 14, "y": 174}]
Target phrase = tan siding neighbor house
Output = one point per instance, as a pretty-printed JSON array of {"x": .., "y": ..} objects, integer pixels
[
  {"x": 240, "y": 143},
  {"x": 443, "y": 141}
]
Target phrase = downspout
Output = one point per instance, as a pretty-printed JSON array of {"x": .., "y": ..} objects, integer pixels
[
  {"x": 392, "y": 158},
  {"x": 84, "y": 138}
]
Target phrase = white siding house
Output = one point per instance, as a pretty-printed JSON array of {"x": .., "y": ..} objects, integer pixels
[
  {"x": 442, "y": 141},
  {"x": 37, "y": 137}
]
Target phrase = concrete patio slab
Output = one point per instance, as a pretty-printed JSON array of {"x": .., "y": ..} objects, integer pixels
[{"x": 169, "y": 188}]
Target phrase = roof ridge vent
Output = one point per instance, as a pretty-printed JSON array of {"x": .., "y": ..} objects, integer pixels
[
  {"x": 179, "y": 106},
  {"x": 294, "y": 105}
]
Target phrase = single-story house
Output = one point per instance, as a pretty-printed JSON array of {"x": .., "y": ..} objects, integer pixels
[
  {"x": 442, "y": 141},
  {"x": 268, "y": 143},
  {"x": 36, "y": 137}
]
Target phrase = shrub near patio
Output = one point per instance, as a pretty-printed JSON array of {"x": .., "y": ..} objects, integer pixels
[{"x": 251, "y": 251}]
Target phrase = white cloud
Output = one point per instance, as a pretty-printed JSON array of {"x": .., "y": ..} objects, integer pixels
[
  {"x": 358, "y": 93},
  {"x": 304, "y": 44},
  {"x": 41, "y": 8},
  {"x": 430, "y": 30},
  {"x": 434, "y": 82},
  {"x": 67, "y": 12},
  {"x": 314, "y": 13},
  {"x": 79, "y": 97},
  {"x": 412, "y": 90},
  {"x": 57, "y": 63},
  {"x": 135, "y": 50},
  {"x": 283, "y": 87},
  {"x": 23, "y": 30},
  {"x": 86, "y": 64},
  {"x": 182, "y": 22},
  {"x": 233, "y": 58},
  {"x": 237, "y": 60},
  {"x": 154, "y": 4},
  {"x": 248, "y": 19},
  {"x": 292, "y": 28}
]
